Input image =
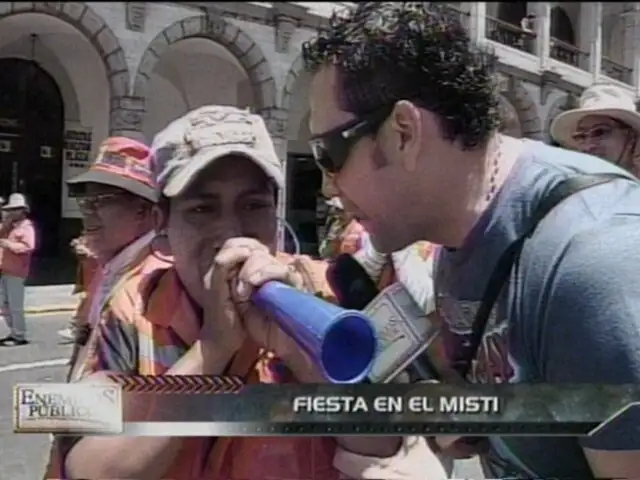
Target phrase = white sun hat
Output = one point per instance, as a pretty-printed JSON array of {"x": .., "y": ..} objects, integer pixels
[
  {"x": 16, "y": 201},
  {"x": 600, "y": 99}
]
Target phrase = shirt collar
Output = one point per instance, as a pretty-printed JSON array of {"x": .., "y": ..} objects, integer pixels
[{"x": 126, "y": 255}]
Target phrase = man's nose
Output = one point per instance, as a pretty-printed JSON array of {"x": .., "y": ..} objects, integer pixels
[
  {"x": 590, "y": 145},
  {"x": 226, "y": 228}
]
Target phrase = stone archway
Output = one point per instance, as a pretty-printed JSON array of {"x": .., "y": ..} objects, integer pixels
[
  {"x": 32, "y": 110},
  {"x": 294, "y": 90},
  {"x": 295, "y": 70},
  {"x": 218, "y": 30},
  {"x": 557, "y": 107},
  {"x": 526, "y": 108},
  {"x": 91, "y": 25},
  {"x": 561, "y": 26},
  {"x": 510, "y": 120},
  {"x": 303, "y": 177},
  {"x": 561, "y": 104}
]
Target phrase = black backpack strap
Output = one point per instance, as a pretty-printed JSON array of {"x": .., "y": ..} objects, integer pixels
[{"x": 502, "y": 270}]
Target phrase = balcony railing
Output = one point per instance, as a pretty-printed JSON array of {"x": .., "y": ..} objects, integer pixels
[
  {"x": 569, "y": 54},
  {"x": 617, "y": 71},
  {"x": 511, "y": 35}
]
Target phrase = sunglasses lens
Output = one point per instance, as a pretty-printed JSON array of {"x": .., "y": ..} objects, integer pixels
[
  {"x": 91, "y": 203},
  {"x": 321, "y": 156}
]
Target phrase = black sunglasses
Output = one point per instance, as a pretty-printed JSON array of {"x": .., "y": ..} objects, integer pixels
[{"x": 331, "y": 149}]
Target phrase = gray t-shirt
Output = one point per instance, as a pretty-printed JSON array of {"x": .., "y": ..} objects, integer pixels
[{"x": 571, "y": 312}]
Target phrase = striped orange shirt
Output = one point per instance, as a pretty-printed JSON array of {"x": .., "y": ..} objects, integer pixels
[{"x": 151, "y": 340}]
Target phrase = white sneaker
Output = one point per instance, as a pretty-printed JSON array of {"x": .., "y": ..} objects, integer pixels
[{"x": 67, "y": 333}]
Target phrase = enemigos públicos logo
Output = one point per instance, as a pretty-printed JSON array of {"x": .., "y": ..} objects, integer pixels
[{"x": 67, "y": 408}]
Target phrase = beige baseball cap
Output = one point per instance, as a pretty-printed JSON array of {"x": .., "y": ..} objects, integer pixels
[{"x": 194, "y": 141}]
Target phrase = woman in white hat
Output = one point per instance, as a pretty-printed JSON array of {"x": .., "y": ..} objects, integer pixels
[
  {"x": 18, "y": 242},
  {"x": 606, "y": 124}
]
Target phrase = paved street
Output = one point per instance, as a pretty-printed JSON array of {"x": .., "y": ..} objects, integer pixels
[
  {"x": 22, "y": 456},
  {"x": 49, "y": 297}
]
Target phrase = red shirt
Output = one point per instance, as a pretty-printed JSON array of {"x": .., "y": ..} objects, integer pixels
[{"x": 15, "y": 257}]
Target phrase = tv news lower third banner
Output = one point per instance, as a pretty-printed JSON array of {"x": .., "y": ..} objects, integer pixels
[{"x": 224, "y": 406}]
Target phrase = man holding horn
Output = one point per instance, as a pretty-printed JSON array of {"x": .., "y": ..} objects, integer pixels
[{"x": 185, "y": 311}]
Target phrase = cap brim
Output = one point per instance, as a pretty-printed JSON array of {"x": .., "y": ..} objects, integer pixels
[
  {"x": 15, "y": 207},
  {"x": 565, "y": 125},
  {"x": 113, "y": 180},
  {"x": 185, "y": 176}
]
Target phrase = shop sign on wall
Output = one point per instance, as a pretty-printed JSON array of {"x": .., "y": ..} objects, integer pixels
[
  {"x": 76, "y": 155},
  {"x": 46, "y": 152},
  {"x": 5, "y": 145},
  {"x": 9, "y": 133},
  {"x": 77, "y": 147}
]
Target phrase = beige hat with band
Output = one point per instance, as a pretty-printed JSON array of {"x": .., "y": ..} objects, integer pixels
[
  {"x": 193, "y": 142},
  {"x": 605, "y": 100}
]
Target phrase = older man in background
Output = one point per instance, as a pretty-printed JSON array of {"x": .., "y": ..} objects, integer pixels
[
  {"x": 18, "y": 242},
  {"x": 605, "y": 124},
  {"x": 87, "y": 269},
  {"x": 115, "y": 196}
]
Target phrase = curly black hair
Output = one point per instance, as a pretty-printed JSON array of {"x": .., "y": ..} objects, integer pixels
[{"x": 391, "y": 51}]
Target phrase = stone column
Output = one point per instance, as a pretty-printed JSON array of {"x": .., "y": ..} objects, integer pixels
[
  {"x": 477, "y": 21},
  {"x": 595, "y": 47},
  {"x": 286, "y": 27},
  {"x": 286, "y": 17},
  {"x": 636, "y": 78},
  {"x": 543, "y": 34},
  {"x": 631, "y": 50},
  {"x": 136, "y": 16},
  {"x": 275, "y": 118},
  {"x": 127, "y": 115},
  {"x": 585, "y": 34},
  {"x": 245, "y": 95}
]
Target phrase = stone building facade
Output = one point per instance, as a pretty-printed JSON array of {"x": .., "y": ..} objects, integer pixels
[{"x": 72, "y": 73}]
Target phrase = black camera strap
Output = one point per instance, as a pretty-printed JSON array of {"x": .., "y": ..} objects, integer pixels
[{"x": 500, "y": 275}]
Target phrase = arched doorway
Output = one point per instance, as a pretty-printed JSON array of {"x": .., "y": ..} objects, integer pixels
[
  {"x": 191, "y": 73},
  {"x": 561, "y": 26},
  {"x": 31, "y": 136},
  {"x": 306, "y": 207},
  {"x": 509, "y": 120},
  {"x": 512, "y": 12}
]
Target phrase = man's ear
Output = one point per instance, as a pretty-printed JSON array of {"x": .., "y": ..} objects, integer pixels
[
  {"x": 406, "y": 125},
  {"x": 160, "y": 218}
]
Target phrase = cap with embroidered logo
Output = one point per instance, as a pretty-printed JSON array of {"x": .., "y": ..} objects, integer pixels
[{"x": 193, "y": 142}]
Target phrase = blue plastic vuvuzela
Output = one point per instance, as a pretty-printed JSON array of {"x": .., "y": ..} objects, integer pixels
[{"x": 342, "y": 343}]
